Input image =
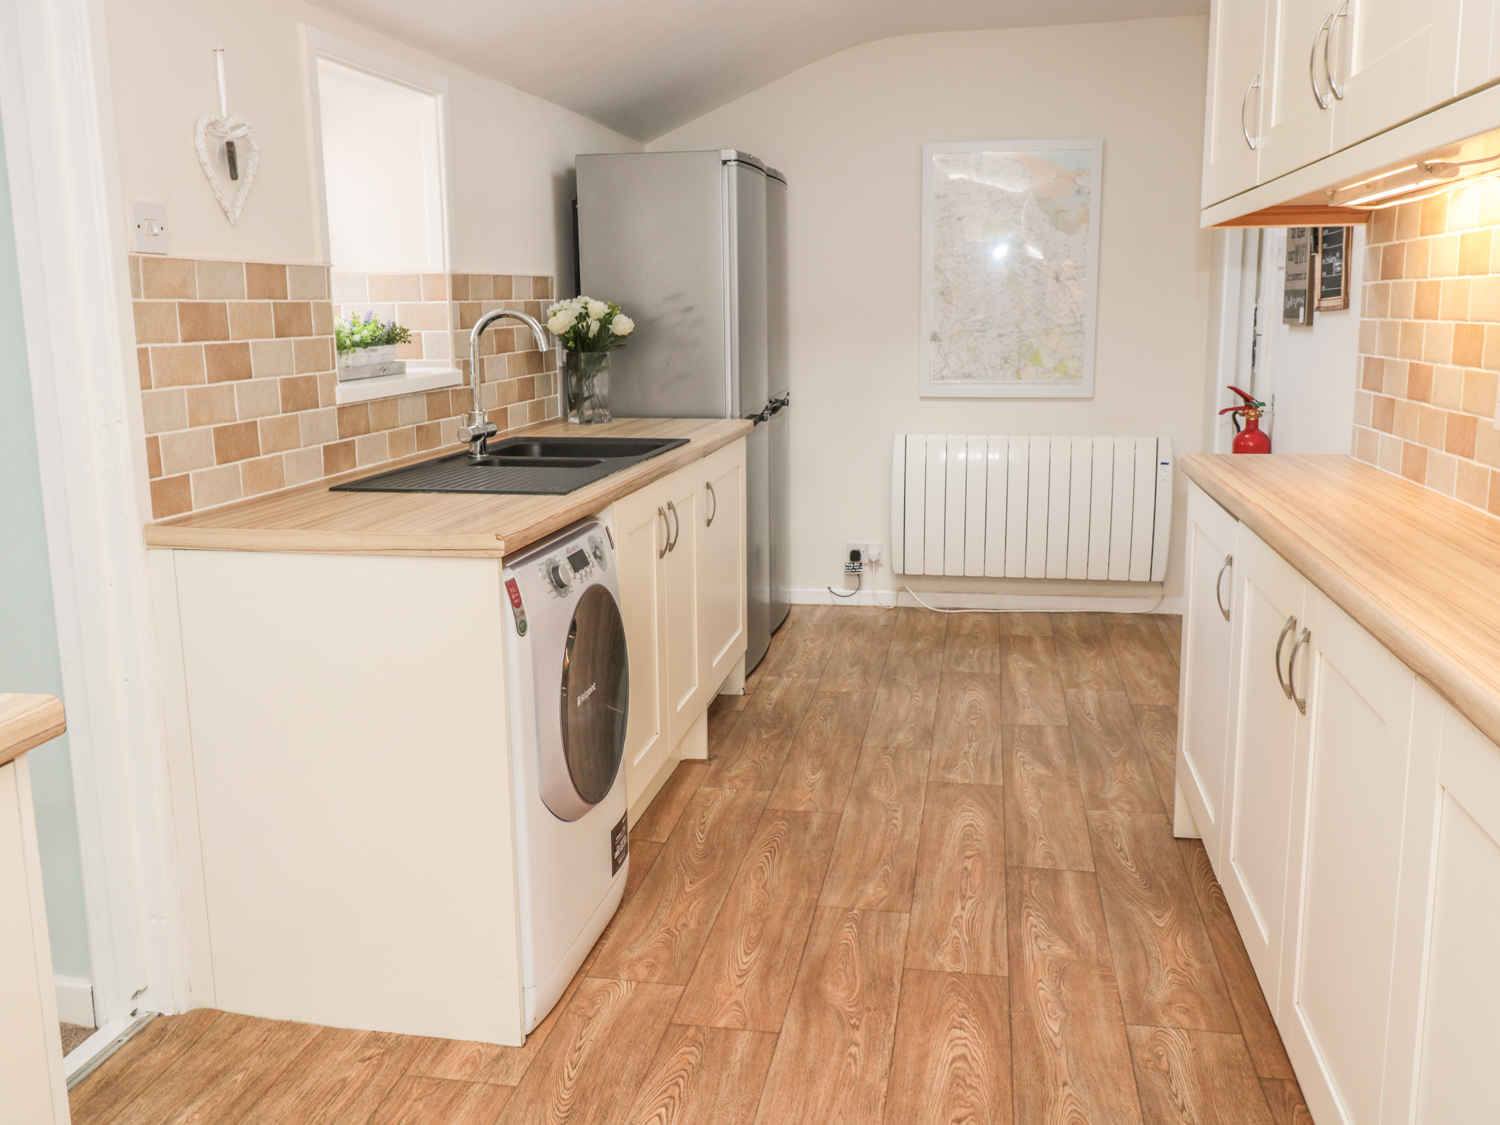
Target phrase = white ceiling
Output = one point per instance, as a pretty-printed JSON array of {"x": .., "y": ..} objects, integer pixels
[{"x": 643, "y": 67}]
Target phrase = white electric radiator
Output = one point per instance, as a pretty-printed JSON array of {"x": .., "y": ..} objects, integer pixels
[{"x": 1031, "y": 507}]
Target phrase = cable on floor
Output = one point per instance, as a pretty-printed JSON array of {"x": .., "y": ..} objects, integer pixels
[{"x": 980, "y": 609}]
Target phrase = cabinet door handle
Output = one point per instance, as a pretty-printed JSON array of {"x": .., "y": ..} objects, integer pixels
[
  {"x": 1219, "y": 581},
  {"x": 1253, "y": 142},
  {"x": 1291, "y": 671},
  {"x": 1324, "y": 100},
  {"x": 714, "y": 496},
  {"x": 676, "y": 526},
  {"x": 1342, "y": 13},
  {"x": 667, "y": 527},
  {"x": 1291, "y": 623}
]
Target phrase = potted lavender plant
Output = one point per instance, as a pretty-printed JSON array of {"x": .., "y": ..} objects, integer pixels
[{"x": 367, "y": 346}]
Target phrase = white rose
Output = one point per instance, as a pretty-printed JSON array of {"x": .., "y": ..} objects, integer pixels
[
  {"x": 591, "y": 328},
  {"x": 598, "y": 310},
  {"x": 560, "y": 323},
  {"x": 622, "y": 325}
]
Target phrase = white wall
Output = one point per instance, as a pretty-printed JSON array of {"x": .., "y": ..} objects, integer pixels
[
  {"x": 848, "y": 132},
  {"x": 1312, "y": 372},
  {"x": 511, "y": 154}
]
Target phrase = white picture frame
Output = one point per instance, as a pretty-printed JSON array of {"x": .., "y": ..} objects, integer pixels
[{"x": 944, "y": 350}]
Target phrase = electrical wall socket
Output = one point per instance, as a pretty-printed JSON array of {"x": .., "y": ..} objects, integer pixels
[{"x": 869, "y": 553}]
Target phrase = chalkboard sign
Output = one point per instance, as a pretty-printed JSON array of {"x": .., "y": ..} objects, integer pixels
[
  {"x": 1333, "y": 275},
  {"x": 1300, "y": 293}
]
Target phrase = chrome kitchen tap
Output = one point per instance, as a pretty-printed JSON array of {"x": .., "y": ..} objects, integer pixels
[{"x": 475, "y": 427}]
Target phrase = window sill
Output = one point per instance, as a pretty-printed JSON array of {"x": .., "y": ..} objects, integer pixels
[{"x": 416, "y": 380}]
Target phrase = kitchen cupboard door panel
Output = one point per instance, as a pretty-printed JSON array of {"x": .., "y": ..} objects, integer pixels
[
  {"x": 1268, "y": 598},
  {"x": 1236, "y": 97},
  {"x": 1343, "y": 878},
  {"x": 686, "y": 693},
  {"x": 721, "y": 564},
  {"x": 1208, "y": 643},
  {"x": 1296, "y": 129},
  {"x": 641, "y": 533},
  {"x": 1460, "y": 1024},
  {"x": 1476, "y": 46},
  {"x": 1400, "y": 58}
]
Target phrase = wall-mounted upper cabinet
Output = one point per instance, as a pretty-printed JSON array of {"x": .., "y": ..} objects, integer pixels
[
  {"x": 1392, "y": 60},
  {"x": 1236, "y": 98},
  {"x": 1478, "y": 45},
  {"x": 1330, "y": 74}
]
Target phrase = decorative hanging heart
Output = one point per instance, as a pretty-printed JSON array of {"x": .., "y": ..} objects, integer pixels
[{"x": 228, "y": 129}]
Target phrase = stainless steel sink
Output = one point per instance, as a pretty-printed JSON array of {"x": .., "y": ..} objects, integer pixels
[{"x": 550, "y": 466}]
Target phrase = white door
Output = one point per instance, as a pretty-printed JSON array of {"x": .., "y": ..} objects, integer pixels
[
  {"x": 680, "y": 586},
  {"x": 1343, "y": 878},
  {"x": 721, "y": 564},
  {"x": 1268, "y": 600},
  {"x": 1446, "y": 1009},
  {"x": 1236, "y": 97},
  {"x": 1297, "y": 121},
  {"x": 1208, "y": 651},
  {"x": 641, "y": 529},
  {"x": 1392, "y": 60}
]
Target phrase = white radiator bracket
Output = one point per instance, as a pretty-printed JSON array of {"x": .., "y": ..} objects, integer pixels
[{"x": 1032, "y": 507}]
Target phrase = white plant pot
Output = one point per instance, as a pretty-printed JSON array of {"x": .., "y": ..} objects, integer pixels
[{"x": 370, "y": 363}]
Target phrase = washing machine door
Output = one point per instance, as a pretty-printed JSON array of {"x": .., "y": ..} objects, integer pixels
[{"x": 595, "y": 696}]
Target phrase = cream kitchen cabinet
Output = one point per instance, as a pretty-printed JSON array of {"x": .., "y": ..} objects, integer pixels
[
  {"x": 1348, "y": 806},
  {"x": 1330, "y": 74},
  {"x": 1298, "y": 120},
  {"x": 1236, "y": 98},
  {"x": 1203, "y": 719},
  {"x": 1267, "y": 724},
  {"x": 1395, "y": 60},
  {"x": 1357, "y": 837},
  {"x": 1445, "y": 1011},
  {"x": 642, "y": 529},
  {"x": 680, "y": 544},
  {"x": 1310, "y": 848}
]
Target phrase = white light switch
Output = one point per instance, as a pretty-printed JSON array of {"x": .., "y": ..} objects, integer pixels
[{"x": 148, "y": 227}]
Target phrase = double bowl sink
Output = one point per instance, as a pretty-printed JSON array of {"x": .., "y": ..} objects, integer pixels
[{"x": 549, "y": 466}]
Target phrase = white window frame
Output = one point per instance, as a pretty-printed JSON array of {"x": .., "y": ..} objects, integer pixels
[{"x": 319, "y": 44}]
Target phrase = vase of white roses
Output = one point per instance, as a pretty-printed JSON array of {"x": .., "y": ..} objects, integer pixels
[{"x": 589, "y": 330}]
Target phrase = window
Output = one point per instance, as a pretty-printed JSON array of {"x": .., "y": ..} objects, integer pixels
[{"x": 378, "y": 129}]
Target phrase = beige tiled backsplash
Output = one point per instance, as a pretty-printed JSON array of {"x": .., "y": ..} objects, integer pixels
[
  {"x": 1429, "y": 344},
  {"x": 238, "y": 379}
]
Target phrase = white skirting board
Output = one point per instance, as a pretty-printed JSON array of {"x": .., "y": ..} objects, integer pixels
[
  {"x": 1034, "y": 603},
  {"x": 75, "y": 1000}
]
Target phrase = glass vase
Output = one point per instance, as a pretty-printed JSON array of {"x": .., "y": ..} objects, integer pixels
[{"x": 586, "y": 377}]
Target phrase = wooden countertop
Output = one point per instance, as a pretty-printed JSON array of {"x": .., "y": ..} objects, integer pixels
[
  {"x": 311, "y": 518},
  {"x": 27, "y": 721},
  {"x": 1419, "y": 571}
]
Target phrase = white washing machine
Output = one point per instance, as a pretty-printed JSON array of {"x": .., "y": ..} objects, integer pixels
[{"x": 569, "y": 691}]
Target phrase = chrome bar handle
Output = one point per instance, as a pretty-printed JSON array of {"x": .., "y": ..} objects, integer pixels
[
  {"x": 676, "y": 526},
  {"x": 714, "y": 496},
  {"x": 1312, "y": 57},
  {"x": 668, "y": 528},
  {"x": 1291, "y": 674},
  {"x": 1291, "y": 623},
  {"x": 1219, "y": 581},
  {"x": 1253, "y": 142},
  {"x": 1338, "y": 91}
]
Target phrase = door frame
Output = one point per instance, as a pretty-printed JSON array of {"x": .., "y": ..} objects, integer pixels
[{"x": 57, "y": 110}]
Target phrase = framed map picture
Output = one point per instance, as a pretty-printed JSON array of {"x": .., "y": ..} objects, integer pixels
[{"x": 1010, "y": 268}]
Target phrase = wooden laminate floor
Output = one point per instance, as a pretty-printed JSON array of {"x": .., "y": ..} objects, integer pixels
[{"x": 927, "y": 875}]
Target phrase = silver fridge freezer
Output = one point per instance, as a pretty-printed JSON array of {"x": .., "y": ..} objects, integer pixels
[{"x": 693, "y": 246}]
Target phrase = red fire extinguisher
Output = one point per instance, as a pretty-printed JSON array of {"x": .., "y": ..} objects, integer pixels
[{"x": 1251, "y": 439}]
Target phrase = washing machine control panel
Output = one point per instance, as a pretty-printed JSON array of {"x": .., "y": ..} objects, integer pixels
[{"x": 576, "y": 563}]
